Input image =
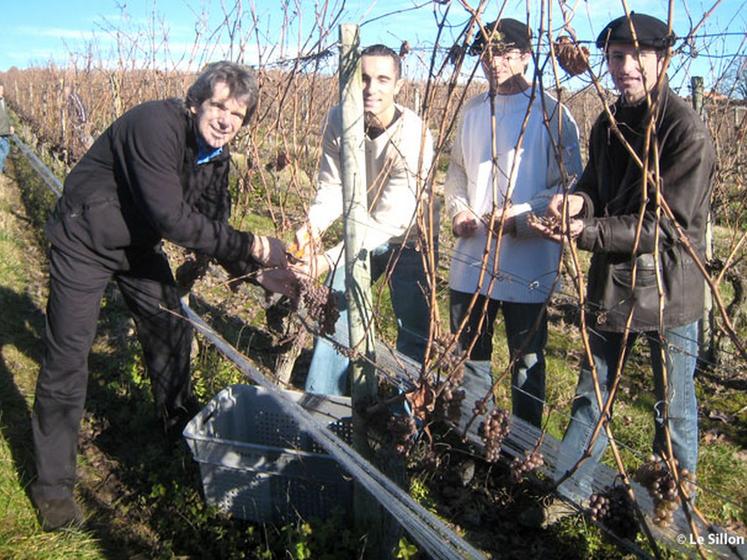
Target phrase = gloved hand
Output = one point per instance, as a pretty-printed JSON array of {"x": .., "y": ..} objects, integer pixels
[{"x": 191, "y": 270}]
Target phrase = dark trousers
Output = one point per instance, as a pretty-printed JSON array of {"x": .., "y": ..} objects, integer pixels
[
  {"x": 526, "y": 335},
  {"x": 77, "y": 283}
]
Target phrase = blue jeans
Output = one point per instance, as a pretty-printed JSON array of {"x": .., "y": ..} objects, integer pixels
[
  {"x": 680, "y": 348},
  {"x": 407, "y": 284},
  {"x": 4, "y": 151},
  {"x": 526, "y": 335}
]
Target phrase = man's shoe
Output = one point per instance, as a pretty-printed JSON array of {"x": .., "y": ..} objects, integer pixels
[
  {"x": 59, "y": 514},
  {"x": 175, "y": 422}
]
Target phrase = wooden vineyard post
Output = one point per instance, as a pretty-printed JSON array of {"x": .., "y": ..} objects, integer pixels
[
  {"x": 370, "y": 517},
  {"x": 357, "y": 262}
]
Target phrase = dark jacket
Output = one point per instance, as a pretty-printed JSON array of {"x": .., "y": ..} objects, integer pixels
[
  {"x": 612, "y": 187},
  {"x": 139, "y": 184}
]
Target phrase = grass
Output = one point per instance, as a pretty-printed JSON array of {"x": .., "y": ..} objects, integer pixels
[{"x": 20, "y": 344}]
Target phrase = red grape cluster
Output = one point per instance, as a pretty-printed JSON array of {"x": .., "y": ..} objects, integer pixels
[
  {"x": 402, "y": 429},
  {"x": 320, "y": 304},
  {"x": 493, "y": 431},
  {"x": 657, "y": 478},
  {"x": 614, "y": 509},
  {"x": 524, "y": 464}
]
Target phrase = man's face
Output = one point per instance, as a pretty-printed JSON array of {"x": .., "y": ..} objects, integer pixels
[
  {"x": 380, "y": 85},
  {"x": 219, "y": 118},
  {"x": 501, "y": 65},
  {"x": 631, "y": 77}
]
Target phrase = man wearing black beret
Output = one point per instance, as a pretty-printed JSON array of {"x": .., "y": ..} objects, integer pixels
[{"x": 642, "y": 279}]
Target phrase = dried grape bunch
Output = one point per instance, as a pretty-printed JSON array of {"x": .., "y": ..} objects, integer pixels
[
  {"x": 449, "y": 401},
  {"x": 320, "y": 303},
  {"x": 404, "y": 49},
  {"x": 614, "y": 509},
  {"x": 656, "y": 477},
  {"x": 493, "y": 431},
  {"x": 431, "y": 460},
  {"x": 456, "y": 54},
  {"x": 574, "y": 59},
  {"x": 403, "y": 430},
  {"x": 524, "y": 464},
  {"x": 448, "y": 361},
  {"x": 552, "y": 224},
  {"x": 480, "y": 408}
]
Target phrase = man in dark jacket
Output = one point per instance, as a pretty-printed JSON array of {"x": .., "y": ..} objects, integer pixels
[
  {"x": 158, "y": 172},
  {"x": 642, "y": 279}
]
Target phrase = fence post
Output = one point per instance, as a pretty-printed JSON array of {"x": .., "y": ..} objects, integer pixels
[
  {"x": 370, "y": 517},
  {"x": 705, "y": 331}
]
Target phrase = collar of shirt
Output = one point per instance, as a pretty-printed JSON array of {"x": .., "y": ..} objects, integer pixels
[{"x": 206, "y": 153}]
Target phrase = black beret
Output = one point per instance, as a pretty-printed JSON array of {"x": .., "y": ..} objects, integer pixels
[
  {"x": 509, "y": 33},
  {"x": 651, "y": 33}
]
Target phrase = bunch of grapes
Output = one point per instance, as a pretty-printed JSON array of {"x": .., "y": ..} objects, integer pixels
[
  {"x": 551, "y": 223},
  {"x": 657, "y": 478},
  {"x": 403, "y": 430},
  {"x": 449, "y": 398},
  {"x": 449, "y": 402},
  {"x": 493, "y": 431},
  {"x": 448, "y": 361},
  {"x": 522, "y": 465},
  {"x": 320, "y": 303},
  {"x": 480, "y": 408},
  {"x": 431, "y": 460},
  {"x": 614, "y": 509}
]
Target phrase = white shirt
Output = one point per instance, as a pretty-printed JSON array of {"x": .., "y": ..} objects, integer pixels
[{"x": 528, "y": 264}]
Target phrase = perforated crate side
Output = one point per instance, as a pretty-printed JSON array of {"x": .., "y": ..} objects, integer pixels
[{"x": 240, "y": 441}]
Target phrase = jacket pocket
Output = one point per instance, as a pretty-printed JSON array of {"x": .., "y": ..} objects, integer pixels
[
  {"x": 621, "y": 294},
  {"x": 106, "y": 225}
]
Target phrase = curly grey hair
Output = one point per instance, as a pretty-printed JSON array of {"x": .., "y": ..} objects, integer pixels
[{"x": 239, "y": 79}]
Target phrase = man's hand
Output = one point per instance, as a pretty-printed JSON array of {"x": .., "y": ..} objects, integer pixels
[
  {"x": 279, "y": 281},
  {"x": 551, "y": 227},
  {"x": 269, "y": 252},
  {"x": 464, "y": 224},
  {"x": 555, "y": 206},
  {"x": 304, "y": 243},
  {"x": 313, "y": 267}
]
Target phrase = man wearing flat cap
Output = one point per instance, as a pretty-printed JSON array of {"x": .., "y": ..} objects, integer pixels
[
  {"x": 532, "y": 160},
  {"x": 642, "y": 279}
]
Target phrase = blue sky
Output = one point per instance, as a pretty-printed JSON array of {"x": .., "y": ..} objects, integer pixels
[{"x": 37, "y": 32}]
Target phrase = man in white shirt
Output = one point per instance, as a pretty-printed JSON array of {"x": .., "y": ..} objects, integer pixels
[
  {"x": 398, "y": 155},
  {"x": 535, "y": 157}
]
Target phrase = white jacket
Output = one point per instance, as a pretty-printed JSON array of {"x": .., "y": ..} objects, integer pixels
[{"x": 393, "y": 165}]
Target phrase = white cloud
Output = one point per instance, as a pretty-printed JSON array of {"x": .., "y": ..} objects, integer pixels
[{"x": 53, "y": 32}]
